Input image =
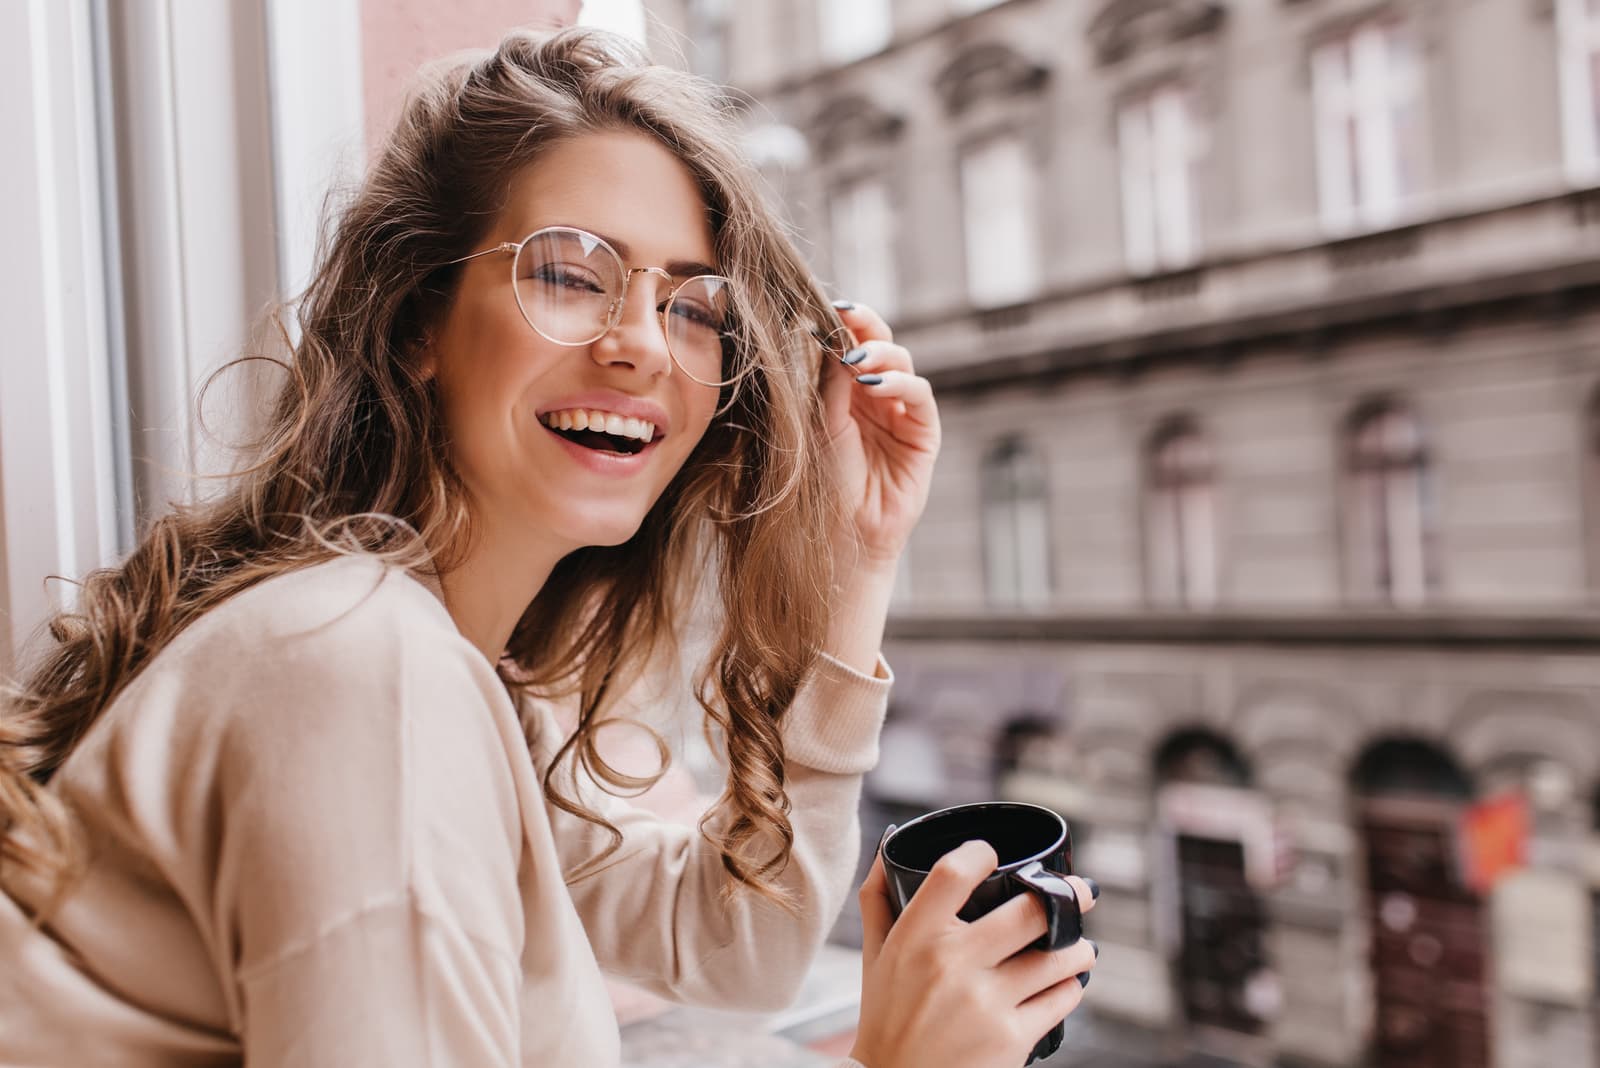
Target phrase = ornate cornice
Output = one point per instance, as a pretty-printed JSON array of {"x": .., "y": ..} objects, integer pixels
[
  {"x": 986, "y": 70},
  {"x": 1123, "y": 27},
  {"x": 853, "y": 119}
]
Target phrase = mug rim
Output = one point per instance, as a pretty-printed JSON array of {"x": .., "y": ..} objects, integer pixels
[{"x": 1003, "y": 869}]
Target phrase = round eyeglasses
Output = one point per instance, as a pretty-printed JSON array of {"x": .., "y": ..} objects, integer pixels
[{"x": 571, "y": 287}]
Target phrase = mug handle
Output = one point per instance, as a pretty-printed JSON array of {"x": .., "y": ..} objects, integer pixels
[{"x": 1060, "y": 902}]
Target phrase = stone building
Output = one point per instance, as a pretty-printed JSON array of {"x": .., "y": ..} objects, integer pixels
[{"x": 1265, "y": 543}]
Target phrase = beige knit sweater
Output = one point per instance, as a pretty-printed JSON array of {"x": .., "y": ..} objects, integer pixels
[{"x": 320, "y": 839}]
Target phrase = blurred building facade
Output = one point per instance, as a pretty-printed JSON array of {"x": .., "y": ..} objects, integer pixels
[{"x": 1265, "y": 542}]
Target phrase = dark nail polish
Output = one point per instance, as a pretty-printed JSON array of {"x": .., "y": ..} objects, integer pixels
[
  {"x": 854, "y": 356},
  {"x": 1094, "y": 887},
  {"x": 844, "y": 305},
  {"x": 870, "y": 380},
  {"x": 1094, "y": 946},
  {"x": 1083, "y": 978}
]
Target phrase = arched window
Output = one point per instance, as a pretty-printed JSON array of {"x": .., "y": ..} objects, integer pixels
[
  {"x": 1180, "y": 517},
  {"x": 1016, "y": 525},
  {"x": 1389, "y": 505}
]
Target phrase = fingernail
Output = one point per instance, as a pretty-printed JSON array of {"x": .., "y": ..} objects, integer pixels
[
  {"x": 1094, "y": 946},
  {"x": 1083, "y": 978},
  {"x": 844, "y": 305},
  {"x": 1094, "y": 887},
  {"x": 870, "y": 380},
  {"x": 854, "y": 356}
]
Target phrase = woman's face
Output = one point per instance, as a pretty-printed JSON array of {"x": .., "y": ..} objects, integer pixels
[{"x": 502, "y": 384}]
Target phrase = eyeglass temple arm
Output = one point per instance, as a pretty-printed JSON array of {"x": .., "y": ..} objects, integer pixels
[{"x": 504, "y": 246}]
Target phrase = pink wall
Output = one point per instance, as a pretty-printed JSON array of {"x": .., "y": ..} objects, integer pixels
[{"x": 398, "y": 36}]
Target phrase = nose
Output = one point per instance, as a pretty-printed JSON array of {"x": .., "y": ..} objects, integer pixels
[{"x": 639, "y": 339}]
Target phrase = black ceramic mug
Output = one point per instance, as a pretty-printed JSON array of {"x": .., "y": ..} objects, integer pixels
[{"x": 1035, "y": 850}]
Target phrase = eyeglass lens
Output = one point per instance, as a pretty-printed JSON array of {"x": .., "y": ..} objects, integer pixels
[{"x": 570, "y": 285}]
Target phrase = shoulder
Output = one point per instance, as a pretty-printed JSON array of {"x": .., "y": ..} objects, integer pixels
[
  {"x": 356, "y": 599},
  {"x": 341, "y": 650}
]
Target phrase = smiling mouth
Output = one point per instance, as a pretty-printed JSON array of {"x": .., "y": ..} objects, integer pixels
[{"x": 601, "y": 431}]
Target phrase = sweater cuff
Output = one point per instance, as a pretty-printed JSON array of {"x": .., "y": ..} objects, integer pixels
[{"x": 836, "y": 717}]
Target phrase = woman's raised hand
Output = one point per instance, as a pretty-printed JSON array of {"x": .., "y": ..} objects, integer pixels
[
  {"x": 938, "y": 992},
  {"x": 883, "y": 427}
]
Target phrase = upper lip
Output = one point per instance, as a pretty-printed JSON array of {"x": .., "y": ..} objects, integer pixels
[{"x": 616, "y": 404}]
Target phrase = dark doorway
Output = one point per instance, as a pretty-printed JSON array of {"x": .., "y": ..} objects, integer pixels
[
  {"x": 1427, "y": 953},
  {"x": 1211, "y": 812},
  {"x": 1222, "y": 947}
]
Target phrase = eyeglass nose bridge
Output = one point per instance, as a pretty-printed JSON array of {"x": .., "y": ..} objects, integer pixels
[{"x": 614, "y": 314}]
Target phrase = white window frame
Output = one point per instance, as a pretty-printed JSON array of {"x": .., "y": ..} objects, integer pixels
[
  {"x": 1578, "y": 34},
  {"x": 851, "y": 29},
  {"x": 1016, "y": 526},
  {"x": 1364, "y": 84},
  {"x": 59, "y": 465},
  {"x": 1000, "y": 222},
  {"x": 198, "y": 162},
  {"x": 1159, "y": 148},
  {"x": 863, "y": 229}
]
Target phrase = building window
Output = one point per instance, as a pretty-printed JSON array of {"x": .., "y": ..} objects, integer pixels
[
  {"x": 1368, "y": 91},
  {"x": 709, "y": 26},
  {"x": 1159, "y": 149},
  {"x": 1389, "y": 507},
  {"x": 854, "y": 28},
  {"x": 1578, "y": 27},
  {"x": 997, "y": 191},
  {"x": 1180, "y": 517},
  {"x": 863, "y": 245},
  {"x": 1016, "y": 525}
]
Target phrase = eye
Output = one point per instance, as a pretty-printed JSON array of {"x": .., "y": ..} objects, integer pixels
[
  {"x": 567, "y": 276},
  {"x": 698, "y": 313}
]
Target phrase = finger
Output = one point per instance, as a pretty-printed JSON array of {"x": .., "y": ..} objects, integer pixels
[
  {"x": 948, "y": 885},
  {"x": 1044, "y": 1010},
  {"x": 1087, "y": 889},
  {"x": 877, "y": 915},
  {"x": 866, "y": 324},
  {"x": 870, "y": 356},
  {"x": 1034, "y": 971},
  {"x": 913, "y": 391},
  {"x": 1009, "y": 929}
]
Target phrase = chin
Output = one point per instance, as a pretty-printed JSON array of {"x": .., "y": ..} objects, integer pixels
[{"x": 601, "y": 535}]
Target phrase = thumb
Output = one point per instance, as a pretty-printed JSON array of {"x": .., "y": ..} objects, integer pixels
[{"x": 876, "y": 915}]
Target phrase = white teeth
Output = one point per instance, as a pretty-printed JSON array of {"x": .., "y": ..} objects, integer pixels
[{"x": 607, "y": 422}]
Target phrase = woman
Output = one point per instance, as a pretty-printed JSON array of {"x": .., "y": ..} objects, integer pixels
[{"x": 291, "y": 786}]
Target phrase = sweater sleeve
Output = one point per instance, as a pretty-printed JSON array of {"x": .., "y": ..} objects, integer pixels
[
  {"x": 366, "y": 876},
  {"x": 654, "y": 913}
]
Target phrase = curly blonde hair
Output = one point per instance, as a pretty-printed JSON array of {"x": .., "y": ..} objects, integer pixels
[{"x": 354, "y": 459}]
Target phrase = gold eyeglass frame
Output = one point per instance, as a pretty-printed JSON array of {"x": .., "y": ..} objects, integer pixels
[{"x": 617, "y": 306}]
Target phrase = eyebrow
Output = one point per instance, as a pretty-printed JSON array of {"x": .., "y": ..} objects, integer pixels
[{"x": 676, "y": 268}]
